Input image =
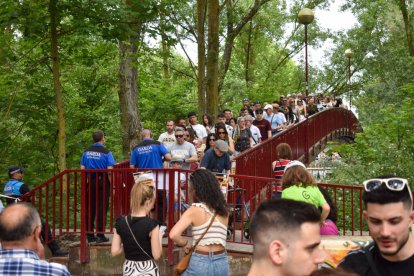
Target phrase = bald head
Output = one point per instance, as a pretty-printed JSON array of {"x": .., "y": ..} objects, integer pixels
[
  {"x": 146, "y": 133},
  {"x": 18, "y": 221}
]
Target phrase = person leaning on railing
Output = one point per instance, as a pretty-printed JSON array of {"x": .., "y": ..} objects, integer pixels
[
  {"x": 299, "y": 184},
  {"x": 209, "y": 256}
]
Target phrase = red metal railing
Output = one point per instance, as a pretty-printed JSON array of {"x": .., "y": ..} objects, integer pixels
[
  {"x": 62, "y": 202},
  {"x": 302, "y": 137}
]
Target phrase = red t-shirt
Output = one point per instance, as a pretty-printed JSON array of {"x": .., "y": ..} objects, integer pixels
[{"x": 264, "y": 126}]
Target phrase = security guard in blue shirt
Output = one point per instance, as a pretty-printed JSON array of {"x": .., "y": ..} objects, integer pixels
[
  {"x": 15, "y": 188},
  {"x": 98, "y": 186}
]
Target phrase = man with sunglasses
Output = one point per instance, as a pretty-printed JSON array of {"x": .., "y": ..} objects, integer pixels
[
  {"x": 389, "y": 214},
  {"x": 263, "y": 125},
  {"x": 184, "y": 149}
]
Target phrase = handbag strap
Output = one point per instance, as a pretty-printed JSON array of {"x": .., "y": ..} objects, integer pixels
[
  {"x": 126, "y": 220},
  {"x": 202, "y": 236}
]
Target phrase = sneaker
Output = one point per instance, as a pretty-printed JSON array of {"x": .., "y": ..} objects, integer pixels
[
  {"x": 91, "y": 238},
  {"x": 101, "y": 239},
  {"x": 59, "y": 253}
]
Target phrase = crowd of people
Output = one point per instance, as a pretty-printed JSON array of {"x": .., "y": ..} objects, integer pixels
[{"x": 286, "y": 230}]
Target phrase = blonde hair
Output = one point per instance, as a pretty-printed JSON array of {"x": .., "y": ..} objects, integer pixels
[{"x": 140, "y": 193}]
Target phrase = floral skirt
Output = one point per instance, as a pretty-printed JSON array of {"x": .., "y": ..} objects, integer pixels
[{"x": 137, "y": 268}]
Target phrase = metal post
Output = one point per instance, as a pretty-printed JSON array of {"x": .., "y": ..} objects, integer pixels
[
  {"x": 306, "y": 60},
  {"x": 349, "y": 81},
  {"x": 305, "y": 17}
]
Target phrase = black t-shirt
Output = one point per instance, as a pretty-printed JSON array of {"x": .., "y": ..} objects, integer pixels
[
  {"x": 141, "y": 227},
  {"x": 357, "y": 262}
]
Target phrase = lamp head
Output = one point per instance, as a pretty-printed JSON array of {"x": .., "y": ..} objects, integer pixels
[
  {"x": 348, "y": 53},
  {"x": 306, "y": 16}
]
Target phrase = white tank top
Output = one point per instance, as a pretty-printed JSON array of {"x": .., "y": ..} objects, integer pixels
[{"x": 217, "y": 234}]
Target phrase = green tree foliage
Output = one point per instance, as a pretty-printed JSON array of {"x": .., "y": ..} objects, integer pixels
[{"x": 383, "y": 88}]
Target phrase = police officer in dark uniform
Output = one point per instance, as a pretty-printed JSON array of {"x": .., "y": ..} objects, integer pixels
[
  {"x": 98, "y": 186},
  {"x": 15, "y": 188}
]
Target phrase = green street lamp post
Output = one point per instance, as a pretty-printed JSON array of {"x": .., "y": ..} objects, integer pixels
[
  {"x": 349, "y": 54},
  {"x": 306, "y": 17}
]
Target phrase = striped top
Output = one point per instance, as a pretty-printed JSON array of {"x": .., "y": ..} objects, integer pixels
[
  {"x": 217, "y": 234},
  {"x": 279, "y": 169}
]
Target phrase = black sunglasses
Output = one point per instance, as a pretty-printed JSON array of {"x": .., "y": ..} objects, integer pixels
[{"x": 179, "y": 136}]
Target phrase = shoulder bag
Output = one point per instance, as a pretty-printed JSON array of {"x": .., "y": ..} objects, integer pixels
[
  {"x": 126, "y": 220},
  {"x": 185, "y": 261}
]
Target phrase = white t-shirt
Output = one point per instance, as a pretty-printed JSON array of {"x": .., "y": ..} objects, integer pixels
[
  {"x": 167, "y": 140},
  {"x": 255, "y": 134},
  {"x": 200, "y": 130}
]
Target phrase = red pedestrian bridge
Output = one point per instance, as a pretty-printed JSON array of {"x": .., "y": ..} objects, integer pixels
[{"x": 62, "y": 201}]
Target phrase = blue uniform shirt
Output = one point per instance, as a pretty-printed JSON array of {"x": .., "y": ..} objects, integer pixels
[
  {"x": 97, "y": 157},
  {"x": 12, "y": 188},
  {"x": 148, "y": 154}
]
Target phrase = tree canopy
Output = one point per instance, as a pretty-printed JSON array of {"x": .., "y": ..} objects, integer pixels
[{"x": 249, "y": 54}]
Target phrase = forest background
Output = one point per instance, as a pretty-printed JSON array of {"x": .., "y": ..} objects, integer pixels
[{"x": 68, "y": 67}]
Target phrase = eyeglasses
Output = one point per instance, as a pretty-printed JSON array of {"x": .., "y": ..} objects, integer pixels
[
  {"x": 212, "y": 139},
  {"x": 259, "y": 113},
  {"x": 179, "y": 136},
  {"x": 392, "y": 184}
]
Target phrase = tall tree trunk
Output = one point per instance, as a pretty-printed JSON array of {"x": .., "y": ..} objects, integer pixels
[
  {"x": 128, "y": 95},
  {"x": 408, "y": 26},
  {"x": 212, "y": 73},
  {"x": 201, "y": 49},
  {"x": 57, "y": 87},
  {"x": 248, "y": 73},
  {"x": 165, "y": 52},
  {"x": 233, "y": 32}
]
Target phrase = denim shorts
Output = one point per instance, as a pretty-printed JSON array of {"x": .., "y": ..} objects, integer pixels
[{"x": 208, "y": 265}]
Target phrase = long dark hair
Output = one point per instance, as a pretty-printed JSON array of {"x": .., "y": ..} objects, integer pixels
[
  {"x": 208, "y": 140},
  {"x": 210, "y": 121},
  {"x": 333, "y": 213},
  {"x": 223, "y": 127},
  {"x": 207, "y": 190}
]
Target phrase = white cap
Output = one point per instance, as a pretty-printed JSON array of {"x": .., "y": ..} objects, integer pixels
[
  {"x": 294, "y": 163},
  {"x": 268, "y": 106}
]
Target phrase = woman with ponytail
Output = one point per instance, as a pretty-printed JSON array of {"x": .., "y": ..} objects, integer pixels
[
  {"x": 137, "y": 235},
  {"x": 208, "y": 220}
]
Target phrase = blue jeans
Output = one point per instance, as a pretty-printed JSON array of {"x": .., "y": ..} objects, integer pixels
[{"x": 208, "y": 265}]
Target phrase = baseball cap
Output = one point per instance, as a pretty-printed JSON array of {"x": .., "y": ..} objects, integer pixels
[
  {"x": 268, "y": 106},
  {"x": 177, "y": 159},
  {"x": 15, "y": 169},
  {"x": 222, "y": 146},
  {"x": 293, "y": 164},
  {"x": 245, "y": 100}
]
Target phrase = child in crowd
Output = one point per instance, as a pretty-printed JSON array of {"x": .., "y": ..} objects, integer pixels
[{"x": 299, "y": 184}]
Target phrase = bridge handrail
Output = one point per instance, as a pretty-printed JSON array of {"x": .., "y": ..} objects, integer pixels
[{"x": 302, "y": 137}]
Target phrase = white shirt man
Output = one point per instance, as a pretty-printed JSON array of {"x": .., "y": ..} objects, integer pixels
[
  {"x": 200, "y": 130},
  {"x": 167, "y": 138}
]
